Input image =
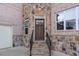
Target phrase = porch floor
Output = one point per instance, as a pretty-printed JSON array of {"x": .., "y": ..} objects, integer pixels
[{"x": 22, "y": 51}]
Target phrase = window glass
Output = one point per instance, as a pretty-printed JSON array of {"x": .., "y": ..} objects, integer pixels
[
  {"x": 60, "y": 21},
  {"x": 71, "y": 24},
  {"x": 70, "y": 14},
  {"x": 26, "y": 30},
  {"x": 66, "y": 19},
  {"x": 60, "y": 25}
]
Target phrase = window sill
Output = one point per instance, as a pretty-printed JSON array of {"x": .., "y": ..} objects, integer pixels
[{"x": 66, "y": 30}]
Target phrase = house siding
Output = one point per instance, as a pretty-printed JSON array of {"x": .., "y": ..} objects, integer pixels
[{"x": 11, "y": 15}]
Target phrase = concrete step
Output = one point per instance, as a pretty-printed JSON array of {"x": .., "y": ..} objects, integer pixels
[
  {"x": 39, "y": 46},
  {"x": 40, "y": 54},
  {"x": 40, "y": 49}
]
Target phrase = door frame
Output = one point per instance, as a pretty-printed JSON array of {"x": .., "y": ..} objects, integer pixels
[{"x": 39, "y": 17}]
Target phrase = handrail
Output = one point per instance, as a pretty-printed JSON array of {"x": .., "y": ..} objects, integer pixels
[
  {"x": 31, "y": 43},
  {"x": 48, "y": 42}
]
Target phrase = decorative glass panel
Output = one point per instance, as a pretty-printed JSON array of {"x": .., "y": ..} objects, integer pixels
[
  {"x": 26, "y": 24},
  {"x": 39, "y": 22}
]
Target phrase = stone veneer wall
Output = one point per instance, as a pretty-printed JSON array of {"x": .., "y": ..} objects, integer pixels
[
  {"x": 18, "y": 40},
  {"x": 30, "y": 11},
  {"x": 66, "y": 41},
  {"x": 40, "y": 9},
  {"x": 66, "y": 44},
  {"x": 37, "y": 9}
]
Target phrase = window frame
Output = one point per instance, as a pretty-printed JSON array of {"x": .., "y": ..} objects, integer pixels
[{"x": 76, "y": 20}]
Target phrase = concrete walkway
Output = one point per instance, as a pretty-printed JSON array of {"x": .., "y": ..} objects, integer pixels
[
  {"x": 22, "y": 51},
  {"x": 16, "y": 51}
]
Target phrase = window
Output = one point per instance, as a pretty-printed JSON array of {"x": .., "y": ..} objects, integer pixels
[
  {"x": 68, "y": 19},
  {"x": 70, "y": 24},
  {"x": 26, "y": 23},
  {"x": 26, "y": 30},
  {"x": 60, "y": 23}
]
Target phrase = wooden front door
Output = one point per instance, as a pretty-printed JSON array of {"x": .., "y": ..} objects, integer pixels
[{"x": 39, "y": 29}]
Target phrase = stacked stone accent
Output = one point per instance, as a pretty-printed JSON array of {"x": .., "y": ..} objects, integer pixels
[
  {"x": 63, "y": 41},
  {"x": 29, "y": 12},
  {"x": 65, "y": 44},
  {"x": 18, "y": 40}
]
